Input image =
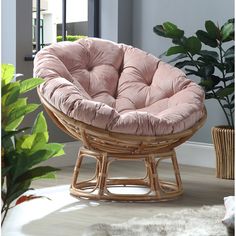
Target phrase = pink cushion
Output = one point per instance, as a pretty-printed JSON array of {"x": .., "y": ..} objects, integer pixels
[{"x": 118, "y": 87}]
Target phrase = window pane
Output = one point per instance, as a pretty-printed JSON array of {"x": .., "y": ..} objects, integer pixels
[{"x": 51, "y": 20}]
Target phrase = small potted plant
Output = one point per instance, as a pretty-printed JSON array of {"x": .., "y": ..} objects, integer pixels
[
  {"x": 215, "y": 68},
  {"x": 23, "y": 148}
]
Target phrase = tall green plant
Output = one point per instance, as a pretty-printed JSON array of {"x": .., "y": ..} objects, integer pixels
[
  {"x": 215, "y": 67},
  {"x": 23, "y": 149}
]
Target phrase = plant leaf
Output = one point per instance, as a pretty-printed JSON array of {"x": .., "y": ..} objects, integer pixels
[
  {"x": 212, "y": 29},
  {"x": 208, "y": 53},
  {"x": 227, "y": 30},
  {"x": 5, "y": 170},
  {"x": 175, "y": 50},
  {"x": 159, "y": 30},
  {"x": 229, "y": 54},
  {"x": 26, "y": 141},
  {"x": 17, "y": 190},
  {"x": 207, "y": 70},
  {"x": 38, "y": 172},
  {"x": 26, "y": 160},
  {"x": 11, "y": 96},
  {"x": 9, "y": 134},
  {"x": 224, "y": 92},
  {"x": 180, "y": 56},
  {"x": 17, "y": 115},
  {"x": 57, "y": 147},
  {"x": 172, "y": 31},
  {"x": 40, "y": 124},
  {"x": 182, "y": 64},
  {"x": 210, "y": 96},
  {"x": 228, "y": 106},
  {"x": 7, "y": 73},
  {"x": 206, "y": 39},
  {"x": 193, "y": 45},
  {"x": 25, "y": 198},
  {"x": 29, "y": 84}
]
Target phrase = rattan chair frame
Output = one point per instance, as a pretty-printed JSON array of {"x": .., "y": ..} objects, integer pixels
[{"x": 106, "y": 147}]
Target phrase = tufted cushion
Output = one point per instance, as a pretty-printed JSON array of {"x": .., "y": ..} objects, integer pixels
[{"x": 118, "y": 87}]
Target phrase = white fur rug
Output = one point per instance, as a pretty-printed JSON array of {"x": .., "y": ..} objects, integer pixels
[{"x": 205, "y": 221}]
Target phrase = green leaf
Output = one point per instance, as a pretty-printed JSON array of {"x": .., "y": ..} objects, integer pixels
[
  {"x": 193, "y": 72},
  {"x": 224, "y": 92},
  {"x": 40, "y": 124},
  {"x": 10, "y": 97},
  {"x": 175, "y": 50},
  {"x": 27, "y": 141},
  {"x": 208, "y": 53},
  {"x": 5, "y": 170},
  {"x": 21, "y": 102},
  {"x": 207, "y": 84},
  {"x": 40, "y": 141},
  {"x": 229, "y": 53},
  {"x": 7, "y": 73},
  {"x": 180, "y": 56},
  {"x": 159, "y": 30},
  {"x": 38, "y": 172},
  {"x": 193, "y": 45},
  {"x": 210, "y": 96},
  {"x": 206, "y": 39},
  {"x": 172, "y": 31},
  {"x": 17, "y": 191},
  {"x": 17, "y": 115},
  {"x": 231, "y": 20},
  {"x": 8, "y": 87},
  {"x": 229, "y": 65},
  {"x": 179, "y": 41},
  {"x": 212, "y": 29},
  {"x": 182, "y": 64},
  {"x": 207, "y": 71},
  {"x": 56, "y": 147},
  {"x": 210, "y": 82},
  {"x": 227, "y": 30},
  {"x": 14, "y": 124},
  {"x": 12, "y": 133},
  {"x": 29, "y": 84},
  {"x": 25, "y": 160},
  {"x": 228, "y": 106}
]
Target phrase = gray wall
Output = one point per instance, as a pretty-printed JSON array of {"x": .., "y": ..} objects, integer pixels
[
  {"x": 189, "y": 15},
  {"x": 116, "y": 20},
  {"x": 8, "y": 26}
]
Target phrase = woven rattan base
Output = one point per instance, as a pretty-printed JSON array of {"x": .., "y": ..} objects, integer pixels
[{"x": 100, "y": 186}]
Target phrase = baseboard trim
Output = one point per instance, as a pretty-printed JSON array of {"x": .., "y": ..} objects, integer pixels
[{"x": 189, "y": 153}]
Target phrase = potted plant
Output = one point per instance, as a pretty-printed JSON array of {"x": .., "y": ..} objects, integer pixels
[
  {"x": 215, "y": 68},
  {"x": 23, "y": 148}
]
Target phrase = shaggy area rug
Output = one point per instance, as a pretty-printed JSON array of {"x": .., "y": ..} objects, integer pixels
[{"x": 204, "y": 221}]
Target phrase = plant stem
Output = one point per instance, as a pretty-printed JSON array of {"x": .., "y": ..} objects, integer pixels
[
  {"x": 231, "y": 120},
  {"x": 5, "y": 214},
  {"x": 191, "y": 57},
  {"x": 226, "y": 115}
]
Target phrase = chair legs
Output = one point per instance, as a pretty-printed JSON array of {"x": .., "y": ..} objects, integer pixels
[{"x": 101, "y": 186}]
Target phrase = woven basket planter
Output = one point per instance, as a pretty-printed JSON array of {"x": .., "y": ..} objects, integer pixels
[{"x": 223, "y": 139}]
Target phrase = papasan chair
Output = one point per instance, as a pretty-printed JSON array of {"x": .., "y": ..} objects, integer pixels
[{"x": 123, "y": 104}]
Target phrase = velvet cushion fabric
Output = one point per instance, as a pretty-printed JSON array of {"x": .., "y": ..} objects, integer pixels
[{"x": 118, "y": 87}]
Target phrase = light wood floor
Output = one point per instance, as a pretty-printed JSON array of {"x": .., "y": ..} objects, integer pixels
[{"x": 200, "y": 188}]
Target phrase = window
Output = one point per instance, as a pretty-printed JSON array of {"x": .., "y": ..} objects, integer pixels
[{"x": 65, "y": 20}]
